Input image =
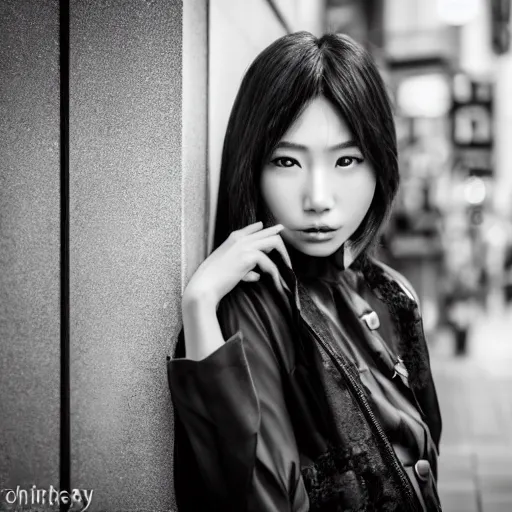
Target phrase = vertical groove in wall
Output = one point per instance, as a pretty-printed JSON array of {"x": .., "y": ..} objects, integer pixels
[
  {"x": 64, "y": 246},
  {"x": 207, "y": 219}
]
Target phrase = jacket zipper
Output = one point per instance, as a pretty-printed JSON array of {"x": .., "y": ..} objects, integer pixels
[
  {"x": 342, "y": 367},
  {"x": 388, "y": 449}
]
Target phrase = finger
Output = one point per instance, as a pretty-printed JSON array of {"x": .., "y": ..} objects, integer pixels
[
  {"x": 274, "y": 242},
  {"x": 251, "y": 276},
  {"x": 268, "y": 266},
  {"x": 272, "y": 230},
  {"x": 251, "y": 228},
  {"x": 242, "y": 234}
]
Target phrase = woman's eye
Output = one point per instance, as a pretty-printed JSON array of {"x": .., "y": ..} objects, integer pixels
[
  {"x": 348, "y": 161},
  {"x": 284, "y": 161}
]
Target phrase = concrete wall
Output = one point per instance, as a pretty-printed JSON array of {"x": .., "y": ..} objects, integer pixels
[
  {"x": 140, "y": 116},
  {"x": 194, "y": 136},
  {"x": 127, "y": 242},
  {"x": 29, "y": 244}
]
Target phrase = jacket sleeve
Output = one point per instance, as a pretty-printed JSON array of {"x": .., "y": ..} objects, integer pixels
[
  {"x": 234, "y": 444},
  {"x": 427, "y": 395}
]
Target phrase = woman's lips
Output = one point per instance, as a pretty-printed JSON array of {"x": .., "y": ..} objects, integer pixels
[{"x": 317, "y": 236}]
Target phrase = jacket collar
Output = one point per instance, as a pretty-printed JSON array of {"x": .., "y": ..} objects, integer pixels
[
  {"x": 305, "y": 267},
  {"x": 314, "y": 267}
]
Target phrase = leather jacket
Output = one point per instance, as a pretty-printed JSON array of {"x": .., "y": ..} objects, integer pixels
[{"x": 277, "y": 418}]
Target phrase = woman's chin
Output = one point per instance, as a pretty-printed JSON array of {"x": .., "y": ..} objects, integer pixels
[{"x": 317, "y": 249}]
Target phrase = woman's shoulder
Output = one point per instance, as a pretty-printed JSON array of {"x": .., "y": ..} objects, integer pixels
[
  {"x": 262, "y": 315},
  {"x": 400, "y": 279},
  {"x": 260, "y": 301}
]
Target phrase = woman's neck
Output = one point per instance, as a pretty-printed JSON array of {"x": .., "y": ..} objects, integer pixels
[{"x": 317, "y": 267}]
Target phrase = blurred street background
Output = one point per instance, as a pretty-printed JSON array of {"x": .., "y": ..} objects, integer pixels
[
  {"x": 449, "y": 70},
  {"x": 475, "y": 396}
]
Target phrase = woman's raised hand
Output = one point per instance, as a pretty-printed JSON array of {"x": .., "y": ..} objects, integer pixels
[{"x": 235, "y": 260}]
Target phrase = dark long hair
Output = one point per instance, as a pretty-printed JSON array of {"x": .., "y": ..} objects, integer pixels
[{"x": 276, "y": 89}]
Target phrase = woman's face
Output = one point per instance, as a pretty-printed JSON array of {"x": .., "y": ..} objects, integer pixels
[{"x": 317, "y": 176}]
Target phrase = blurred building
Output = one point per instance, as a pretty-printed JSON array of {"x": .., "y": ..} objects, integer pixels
[{"x": 448, "y": 67}]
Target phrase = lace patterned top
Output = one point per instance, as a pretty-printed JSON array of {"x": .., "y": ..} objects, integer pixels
[{"x": 342, "y": 296}]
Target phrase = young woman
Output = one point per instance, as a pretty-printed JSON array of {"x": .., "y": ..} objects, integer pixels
[{"x": 301, "y": 378}]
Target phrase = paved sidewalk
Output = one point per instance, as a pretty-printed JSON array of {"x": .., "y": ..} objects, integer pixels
[{"x": 475, "y": 394}]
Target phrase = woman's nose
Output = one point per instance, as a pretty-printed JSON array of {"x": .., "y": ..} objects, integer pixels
[{"x": 318, "y": 194}]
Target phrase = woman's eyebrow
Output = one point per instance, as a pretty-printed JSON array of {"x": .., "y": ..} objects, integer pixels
[{"x": 293, "y": 145}]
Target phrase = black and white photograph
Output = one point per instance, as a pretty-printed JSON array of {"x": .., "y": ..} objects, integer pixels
[{"x": 255, "y": 256}]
